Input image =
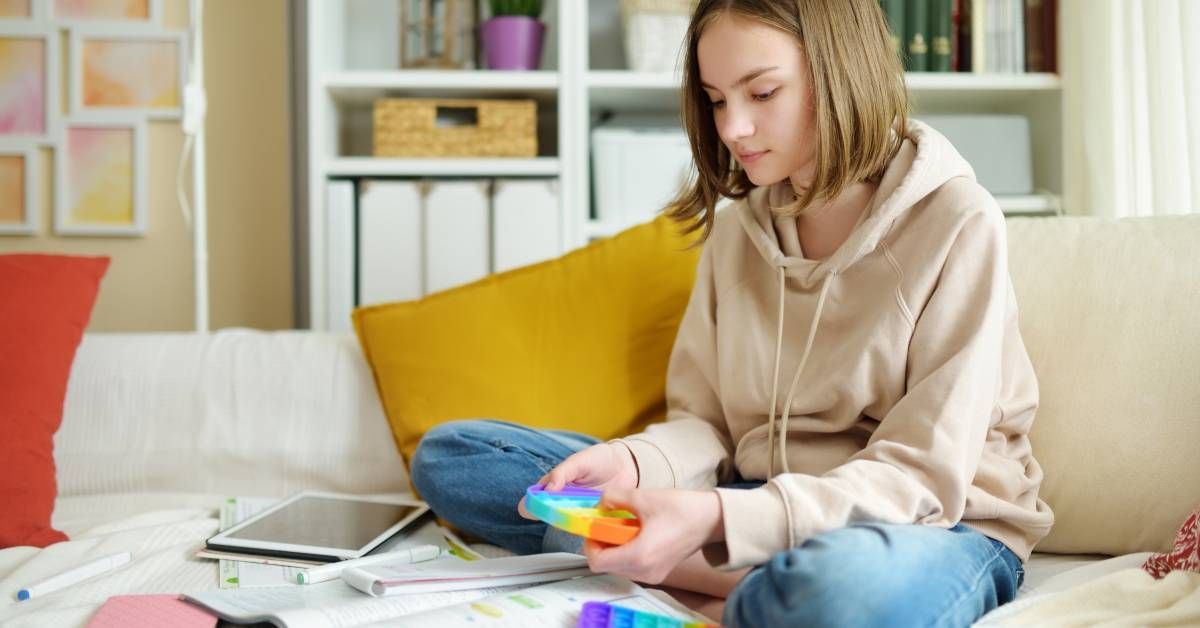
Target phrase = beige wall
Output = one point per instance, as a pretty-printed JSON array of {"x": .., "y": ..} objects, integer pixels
[{"x": 149, "y": 284}]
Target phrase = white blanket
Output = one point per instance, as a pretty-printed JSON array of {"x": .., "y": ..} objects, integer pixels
[
  {"x": 1129, "y": 597},
  {"x": 161, "y": 530}
]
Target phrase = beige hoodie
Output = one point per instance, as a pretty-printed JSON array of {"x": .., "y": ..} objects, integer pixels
[{"x": 895, "y": 369}]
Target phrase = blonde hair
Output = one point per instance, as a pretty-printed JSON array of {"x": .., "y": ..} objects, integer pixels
[{"x": 858, "y": 94}]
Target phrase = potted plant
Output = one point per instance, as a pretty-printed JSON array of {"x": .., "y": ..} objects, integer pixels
[{"x": 512, "y": 37}]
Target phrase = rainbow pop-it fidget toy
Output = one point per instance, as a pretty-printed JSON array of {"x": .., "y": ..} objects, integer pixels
[
  {"x": 574, "y": 509},
  {"x": 605, "y": 615}
]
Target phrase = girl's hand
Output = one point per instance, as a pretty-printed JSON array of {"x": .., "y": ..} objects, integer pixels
[
  {"x": 602, "y": 466},
  {"x": 674, "y": 525}
]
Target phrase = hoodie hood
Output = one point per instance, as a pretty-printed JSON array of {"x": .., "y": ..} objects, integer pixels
[{"x": 925, "y": 161}]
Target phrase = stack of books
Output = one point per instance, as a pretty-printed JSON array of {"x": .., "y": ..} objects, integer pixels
[{"x": 983, "y": 36}]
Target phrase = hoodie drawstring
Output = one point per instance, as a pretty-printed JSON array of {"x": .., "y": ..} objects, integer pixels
[{"x": 787, "y": 405}]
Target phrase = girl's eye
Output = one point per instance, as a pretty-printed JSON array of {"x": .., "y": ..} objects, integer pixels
[
  {"x": 766, "y": 96},
  {"x": 717, "y": 104}
]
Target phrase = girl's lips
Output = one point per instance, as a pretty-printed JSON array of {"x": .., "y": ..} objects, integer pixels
[{"x": 747, "y": 158}]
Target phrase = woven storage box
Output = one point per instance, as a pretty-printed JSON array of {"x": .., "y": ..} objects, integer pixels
[{"x": 409, "y": 127}]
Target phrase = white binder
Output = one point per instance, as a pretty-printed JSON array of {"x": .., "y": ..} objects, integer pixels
[
  {"x": 339, "y": 261},
  {"x": 457, "y": 242},
  {"x": 527, "y": 225},
  {"x": 640, "y": 162},
  {"x": 389, "y": 242}
]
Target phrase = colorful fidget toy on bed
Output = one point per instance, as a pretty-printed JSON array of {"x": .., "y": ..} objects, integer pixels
[
  {"x": 605, "y": 615},
  {"x": 574, "y": 509}
]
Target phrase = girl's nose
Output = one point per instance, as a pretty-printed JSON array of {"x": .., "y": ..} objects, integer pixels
[{"x": 736, "y": 124}]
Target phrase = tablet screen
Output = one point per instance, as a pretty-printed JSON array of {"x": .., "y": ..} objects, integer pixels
[{"x": 325, "y": 522}]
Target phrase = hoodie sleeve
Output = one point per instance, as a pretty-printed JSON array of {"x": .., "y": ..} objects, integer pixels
[
  {"x": 922, "y": 457},
  {"x": 693, "y": 448}
]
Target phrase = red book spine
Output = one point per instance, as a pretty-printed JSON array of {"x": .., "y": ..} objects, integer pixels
[
  {"x": 1050, "y": 30},
  {"x": 1035, "y": 36},
  {"x": 955, "y": 34}
]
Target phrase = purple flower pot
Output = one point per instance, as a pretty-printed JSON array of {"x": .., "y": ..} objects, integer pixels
[{"x": 512, "y": 42}]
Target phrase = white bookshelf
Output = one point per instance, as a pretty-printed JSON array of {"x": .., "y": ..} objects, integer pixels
[
  {"x": 499, "y": 167},
  {"x": 366, "y": 86},
  {"x": 352, "y": 60}
]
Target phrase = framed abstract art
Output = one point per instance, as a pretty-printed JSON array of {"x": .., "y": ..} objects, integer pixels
[
  {"x": 18, "y": 190},
  {"x": 19, "y": 10},
  {"x": 28, "y": 82},
  {"x": 100, "y": 179},
  {"x": 125, "y": 13},
  {"x": 121, "y": 72}
]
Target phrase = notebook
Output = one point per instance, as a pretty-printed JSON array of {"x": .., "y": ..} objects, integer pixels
[
  {"x": 150, "y": 611},
  {"x": 454, "y": 574},
  {"x": 336, "y": 605}
]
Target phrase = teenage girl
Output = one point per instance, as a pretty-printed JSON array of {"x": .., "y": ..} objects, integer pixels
[{"x": 849, "y": 399}]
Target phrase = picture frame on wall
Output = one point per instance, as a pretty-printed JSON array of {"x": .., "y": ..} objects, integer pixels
[
  {"x": 28, "y": 82},
  {"x": 117, "y": 13},
  {"x": 26, "y": 10},
  {"x": 19, "y": 203},
  {"x": 100, "y": 178},
  {"x": 112, "y": 71}
]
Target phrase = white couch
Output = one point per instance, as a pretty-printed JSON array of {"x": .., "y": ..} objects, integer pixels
[{"x": 159, "y": 428}]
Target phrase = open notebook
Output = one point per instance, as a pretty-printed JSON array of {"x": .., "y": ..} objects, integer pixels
[
  {"x": 336, "y": 605},
  {"x": 454, "y": 574}
]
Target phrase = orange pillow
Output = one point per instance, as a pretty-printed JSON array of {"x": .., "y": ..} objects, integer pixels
[{"x": 45, "y": 304}]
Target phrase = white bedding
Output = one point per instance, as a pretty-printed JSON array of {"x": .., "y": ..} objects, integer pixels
[{"x": 163, "y": 530}]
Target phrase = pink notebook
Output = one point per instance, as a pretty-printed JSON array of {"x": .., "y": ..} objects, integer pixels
[{"x": 150, "y": 611}]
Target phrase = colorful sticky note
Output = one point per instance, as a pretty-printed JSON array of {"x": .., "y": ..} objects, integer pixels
[{"x": 150, "y": 611}]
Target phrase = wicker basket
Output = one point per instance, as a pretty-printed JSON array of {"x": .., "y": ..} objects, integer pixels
[{"x": 409, "y": 127}]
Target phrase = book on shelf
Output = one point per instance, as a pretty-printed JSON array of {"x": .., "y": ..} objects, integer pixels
[
  {"x": 916, "y": 30},
  {"x": 940, "y": 36},
  {"x": 995, "y": 36},
  {"x": 893, "y": 10},
  {"x": 961, "y": 34},
  {"x": 1041, "y": 26},
  {"x": 982, "y": 36}
]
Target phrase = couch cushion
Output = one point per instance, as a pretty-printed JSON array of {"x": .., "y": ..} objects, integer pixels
[
  {"x": 235, "y": 412},
  {"x": 578, "y": 343},
  {"x": 1110, "y": 314},
  {"x": 45, "y": 304}
]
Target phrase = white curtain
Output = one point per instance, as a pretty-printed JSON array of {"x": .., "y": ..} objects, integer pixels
[{"x": 1131, "y": 106}]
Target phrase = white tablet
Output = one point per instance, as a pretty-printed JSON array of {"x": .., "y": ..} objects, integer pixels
[{"x": 321, "y": 526}]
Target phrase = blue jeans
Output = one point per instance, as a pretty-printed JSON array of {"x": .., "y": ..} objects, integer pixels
[{"x": 473, "y": 473}]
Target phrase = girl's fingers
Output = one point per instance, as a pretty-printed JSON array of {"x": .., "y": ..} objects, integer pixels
[
  {"x": 556, "y": 479},
  {"x": 566, "y": 472},
  {"x": 619, "y": 499},
  {"x": 523, "y": 512}
]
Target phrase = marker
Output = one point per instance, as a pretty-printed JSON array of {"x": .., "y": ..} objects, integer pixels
[
  {"x": 418, "y": 554},
  {"x": 74, "y": 576}
]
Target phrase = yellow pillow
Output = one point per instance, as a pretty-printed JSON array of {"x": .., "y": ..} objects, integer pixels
[{"x": 578, "y": 343}]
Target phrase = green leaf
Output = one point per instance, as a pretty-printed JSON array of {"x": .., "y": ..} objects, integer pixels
[{"x": 528, "y": 8}]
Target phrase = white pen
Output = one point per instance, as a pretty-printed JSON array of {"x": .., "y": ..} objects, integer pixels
[
  {"x": 73, "y": 576},
  {"x": 418, "y": 554}
]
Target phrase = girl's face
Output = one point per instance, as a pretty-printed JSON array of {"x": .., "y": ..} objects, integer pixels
[{"x": 756, "y": 78}]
